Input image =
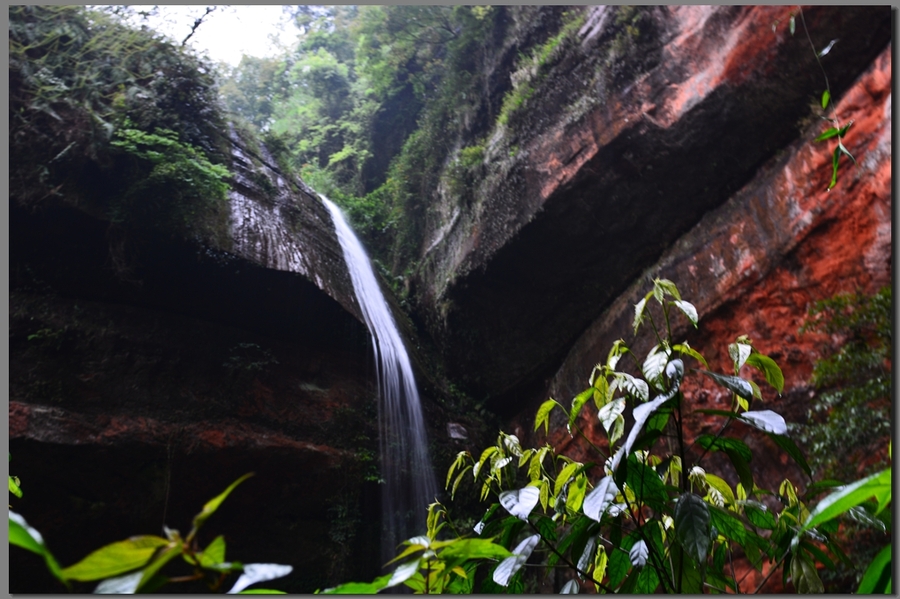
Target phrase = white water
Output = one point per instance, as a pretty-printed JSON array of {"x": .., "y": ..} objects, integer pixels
[{"x": 409, "y": 484}]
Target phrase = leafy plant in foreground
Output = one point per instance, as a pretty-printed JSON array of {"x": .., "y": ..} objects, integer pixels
[{"x": 134, "y": 564}]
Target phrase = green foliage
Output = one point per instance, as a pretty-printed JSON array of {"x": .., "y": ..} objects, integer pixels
[
  {"x": 134, "y": 564},
  {"x": 850, "y": 417},
  {"x": 429, "y": 565},
  {"x": 86, "y": 92},
  {"x": 530, "y": 71},
  {"x": 645, "y": 515},
  {"x": 172, "y": 184}
]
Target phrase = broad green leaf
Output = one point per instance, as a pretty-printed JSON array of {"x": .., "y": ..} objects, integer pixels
[
  {"x": 721, "y": 486},
  {"x": 360, "y": 588},
  {"x": 213, "y": 504},
  {"x": 692, "y": 526},
  {"x": 115, "y": 559},
  {"x": 689, "y": 310},
  {"x": 598, "y": 500},
  {"x": 878, "y": 576},
  {"x": 759, "y": 515},
  {"x": 619, "y": 561},
  {"x": 647, "y": 581},
  {"x": 725, "y": 444},
  {"x": 805, "y": 576},
  {"x": 601, "y": 559},
  {"x": 26, "y": 537},
  {"x": 578, "y": 403},
  {"x": 474, "y": 549},
  {"x": 765, "y": 420},
  {"x": 826, "y": 95},
  {"x": 543, "y": 415},
  {"x": 487, "y": 453},
  {"x": 691, "y": 583},
  {"x": 877, "y": 485},
  {"x": 684, "y": 348},
  {"x": 575, "y": 495},
  {"x": 214, "y": 553},
  {"x": 790, "y": 448},
  {"x": 648, "y": 488},
  {"x": 663, "y": 287},
  {"x": 618, "y": 429},
  {"x": 770, "y": 369},
  {"x": 728, "y": 525},
  {"x": 545, "y": 494},
  {"x": 261, "y": 592},
  {"x": 514, "y": 563},
  {"x": 168, "y": 553},
  {"x": 519, "y": 503},
  {"x": 733, "y": 383},
  {"x": 565, "y": 476}
]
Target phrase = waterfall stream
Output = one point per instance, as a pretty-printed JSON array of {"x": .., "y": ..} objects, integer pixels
[{"x": 409, "y": 483}]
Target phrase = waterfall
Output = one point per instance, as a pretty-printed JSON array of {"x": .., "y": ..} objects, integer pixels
[{"x": 409, "y": 483}]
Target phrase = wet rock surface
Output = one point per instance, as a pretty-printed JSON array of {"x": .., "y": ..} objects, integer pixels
[
  {"x": 595, "y": 195},
  {"x": 147, "y": 373}
]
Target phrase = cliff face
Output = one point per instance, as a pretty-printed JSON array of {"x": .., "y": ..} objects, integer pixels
[
  {"x": 147, "y": 373},
  {"x": 631, "y": 136}
]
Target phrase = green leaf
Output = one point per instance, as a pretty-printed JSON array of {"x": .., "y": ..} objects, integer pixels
[
  {"x": 619, "y": 561},
  {"x": 826, "y": 95},
  {"x": 575, "y": 495},
  {"x": 684, "y": 348},
  {"x": 564, "y": 476},
  {"x": 793, "y": 24},
  {"x": 728, "y": 525},
  {"x": 790, "y": 448},
  {"x": 543, "y": 415},
  {"x": 115, "y": 559},
  {"x": 26, "y": 537},
  {"x": 14, "y": 486},
  {"x": 261, "y": 592},
  {"x": 646, "y": 484},
  {"x": 647, "y": 581},
  {"x": 213, "y": 504},
  {"x": 805, "y": 576},
  {"x": 474, "y": 549},
  {"x": 170, "y": 552},
  {"x": 578, "y": 403},
  {"x": 514, "y": 563},
  {"x": 834, "y": 168},
  {"x": 692, "y": 526},
  {"x": 733, "y": 383},
  {"x": 519, "y": 503},
  {"x": 725, "y": 444},
  {"x": 759, "y": 516},
  {"x": 214, "y": 553},
  {"x": 765, "y": 420},
  {"x": 663, "y": 287},
  {"x": 359, "y": 588},
  {"x": 767, "y": 365},
  {"x": 877, "y": 485},
  {"x": 828, "y": 134},
  {"x": 878, "y": 577}
]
